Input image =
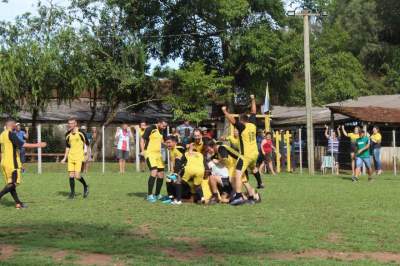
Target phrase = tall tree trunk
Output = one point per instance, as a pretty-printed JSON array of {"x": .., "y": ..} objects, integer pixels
[{"x": 93, "y": 109}]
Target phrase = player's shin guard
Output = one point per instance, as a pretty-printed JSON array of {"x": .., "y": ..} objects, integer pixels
[
  {"x": 14, "y": 194},
  {"x": 72, "y": 184},
  {"x": 6, "y": 189},
  {"x": 150, "y": 185},
  {"x": 170, "y": 189},
  {"x": 178, "y": 188},
  {"x": 82, "y": 180},
  {"x": 198, "y": 194},
  {"x": 158, "y": 186},
  {"x": 258, "y": 178}
]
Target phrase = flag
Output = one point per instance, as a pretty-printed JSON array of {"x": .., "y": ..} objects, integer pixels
[{"x": 265, "y": 107}]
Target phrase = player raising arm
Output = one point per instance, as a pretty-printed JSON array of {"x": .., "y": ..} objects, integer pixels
[
  {"x": 248, "y": 149},
  {"x": 10, "y": 161}
]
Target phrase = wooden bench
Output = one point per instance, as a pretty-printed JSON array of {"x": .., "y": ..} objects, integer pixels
[{"x": 56, "y": 155}]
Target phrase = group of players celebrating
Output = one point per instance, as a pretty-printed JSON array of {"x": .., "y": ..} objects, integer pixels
[{"x": 205, "y": 170}]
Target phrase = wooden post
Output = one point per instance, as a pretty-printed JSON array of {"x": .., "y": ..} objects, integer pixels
[
  {"x": 167, "y": 152},
  {"x": 364, "y": 168},
  {"x": 288, "y": 151},
  {"x": 278, "y": 139},
  {"x": 300, "y": 152},
  {"x": 394, "y": 153},
  {"x": 103, "y": 149},
  {"x": 39, "y": 150},
  {"x": 267, "y": 122},
  {"x": 137, "y": 148}
]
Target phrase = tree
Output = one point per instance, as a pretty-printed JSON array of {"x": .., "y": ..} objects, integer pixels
[{"x": 193, "y": 90}]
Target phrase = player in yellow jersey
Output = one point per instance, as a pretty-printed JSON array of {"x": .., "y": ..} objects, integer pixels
[
  {"x": 150, "y": 144},
  {"x": 10, "y": 160},
  {"x": 75, "y": 152},
  {"x": 248, "y": 148},
  {"x": 198, "y": 144},
  {"x": 353, "y": 145},
  {"x": 174, "y": 182}
]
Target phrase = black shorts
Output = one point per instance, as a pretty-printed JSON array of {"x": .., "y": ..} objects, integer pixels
[
  {"x": 260, "y": 159},
  {"x": 226, "y": 186},
  {"x": 268, "y": 157}
]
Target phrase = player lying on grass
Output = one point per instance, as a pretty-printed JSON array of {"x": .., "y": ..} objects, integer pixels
[
  {"x": 248, "y": 149},
  {"x": 10, "y": 160},
  {"x": 75, "y": 152},
  {"x": 189, "y": 172},
  {"x": 220, "y": 183}
]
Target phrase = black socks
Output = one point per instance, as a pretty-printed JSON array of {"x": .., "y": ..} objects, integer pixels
[
  {"x": 83, "y": 182},
  {"x": 258, "y": 178},
  {"x": 72, "y": 184},
  {"x": 150, "y": 185},
  {"x": 158, "y": 186}
]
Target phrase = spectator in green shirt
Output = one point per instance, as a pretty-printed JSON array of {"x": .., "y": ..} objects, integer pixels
[{"x": 363, "y": 156}]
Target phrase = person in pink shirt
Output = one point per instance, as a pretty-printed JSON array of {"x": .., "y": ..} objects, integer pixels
[
  {"x": 267, "y": 149},
  {"x": 123, "y": 137}
]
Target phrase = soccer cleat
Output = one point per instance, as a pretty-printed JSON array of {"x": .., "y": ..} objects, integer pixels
[
  {"x": 213, "y": 201},
  {"x": 250, "y": 201},
  {"x": 354, "y": 179},
  {"x": 175, "y": 202},
  {"x": 162, "y": 198},
  {"x": 86, "y": 191},
  {"x": 151, "y": 198},
  {"x": 260, "y": 186},
  {"x": 19, "y": 206},
  {"x": 237, "y": 201},
  {"x": 258, "y": 198},
  {"x": 167, "y": 201},
  {"x": 71, "y": 195}
]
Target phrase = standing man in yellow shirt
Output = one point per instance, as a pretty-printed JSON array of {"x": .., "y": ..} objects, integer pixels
[
  {"x": 353, "y": 139},
  {"x": 376, "y": 140},
  {"x": 248, "y": 149},
  {"x": 75, "y": 151},
  {"x": 152, "y": 139},
  {"x": 10, "y": 161}
]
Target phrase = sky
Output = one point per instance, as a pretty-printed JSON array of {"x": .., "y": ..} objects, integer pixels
[{"x": 8, "y": 11}]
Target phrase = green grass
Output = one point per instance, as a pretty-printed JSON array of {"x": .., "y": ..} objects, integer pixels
[{"x": 297, "y": 213}]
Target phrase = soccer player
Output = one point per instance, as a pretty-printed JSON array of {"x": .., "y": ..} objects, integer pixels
[
  {"x": 10, "y": 160},
  {"x": 248, "y": 149},
  {"x": 198, "y": 144},
  {"x": 152, "y": 139},
  {"x": 75, "y": 151},
  {"x": 353, "y": 138},
  {"x": 177, "y": 152},
  {"x": 363, "y": 156}
]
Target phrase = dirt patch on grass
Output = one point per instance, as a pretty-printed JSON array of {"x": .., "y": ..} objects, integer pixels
[
  {"x": 143, "y": 231},
  {"x": 334, "y": 238},
  {"x": 83, "y": 258},
  {"x": 195, "y": 249},
  {"x": 384, "y": 257},
  {"x": 6, "y": 251}
]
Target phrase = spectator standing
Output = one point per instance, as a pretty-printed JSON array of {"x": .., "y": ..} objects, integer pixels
[
  {"x": 23, "y": 136},
  {"x": 333, "y": 145},
  {"x": 267, "y": 149},
  {"x": 353, "y": 145},
  {"x": 182, "y": 129},
  {"x": 376, "y": 140},
  {"x": 123, "y": 137},
  {"x": 175, "y": 133},
  {"x": 186, "y": 137},
  {"x": 363, "y": 156}
]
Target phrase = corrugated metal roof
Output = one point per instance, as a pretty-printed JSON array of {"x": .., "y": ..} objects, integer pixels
[{"x": 376, "y": 108}]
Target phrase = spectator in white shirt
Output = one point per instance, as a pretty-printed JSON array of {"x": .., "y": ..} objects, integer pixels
[
  {"x": 123, "y": 137},
  {"x": 182, "y": 128}
]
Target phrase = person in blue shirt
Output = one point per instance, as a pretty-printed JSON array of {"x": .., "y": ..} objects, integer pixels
[{"x": 23, "y": 137}]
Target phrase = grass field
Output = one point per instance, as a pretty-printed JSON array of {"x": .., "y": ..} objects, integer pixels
[{"x": 321, "y": 220}]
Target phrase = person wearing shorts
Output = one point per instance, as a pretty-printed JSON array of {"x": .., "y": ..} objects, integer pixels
[
  {"x": 123, "y": 137},
  {"x": 267, "y": 148},
  {"x": 353, "y": 146},
  {"x": 363, "y": 156}
]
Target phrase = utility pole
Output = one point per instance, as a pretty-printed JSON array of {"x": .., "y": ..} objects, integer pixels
[{"x": 306, "y": 14}]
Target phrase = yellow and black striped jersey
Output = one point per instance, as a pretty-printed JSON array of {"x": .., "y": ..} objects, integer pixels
[
  {"x": 76, "y": 142},
  {"x": 248, "y": 137},
  {"x": 10, "y": 146},
  {"x": 153, "y": 139}
]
